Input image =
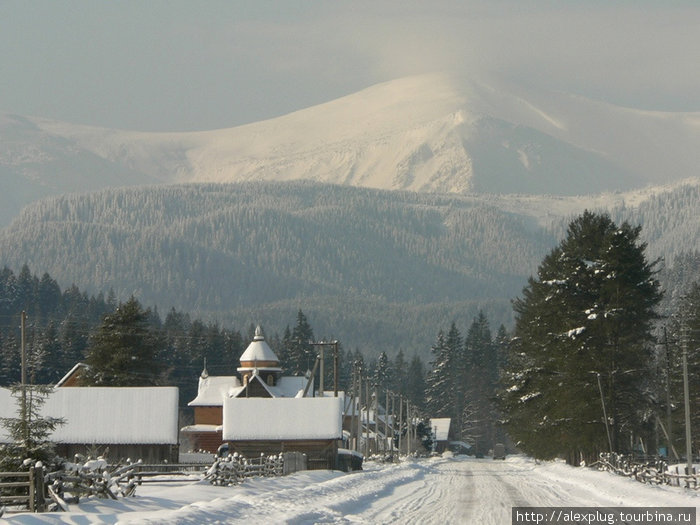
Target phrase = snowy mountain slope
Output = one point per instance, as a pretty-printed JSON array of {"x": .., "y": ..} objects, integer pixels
[
  {"x": 36, "y": 163},
  {"x": 425, "y": 133}
]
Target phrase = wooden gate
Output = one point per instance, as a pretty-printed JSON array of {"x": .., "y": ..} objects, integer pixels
[{"x": 24, "y": 489}]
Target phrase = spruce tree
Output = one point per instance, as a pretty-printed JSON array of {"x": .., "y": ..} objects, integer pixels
[
  {"x": 415, "y": 383},
  {"x": 480, "y": 384},
  {"x": 684, "y": 336},
  {"x": 30, "y": 430},
  {"x": 300, "y": 353},
  {"x": 439, "y": 383},
  {"x": 587, "y": 315},
  {"x": 124, "y": 350}
]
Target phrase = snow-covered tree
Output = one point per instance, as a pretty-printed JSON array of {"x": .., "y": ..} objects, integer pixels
[
  {"x": 124, "y": 350},
  {"x": 588, "y": 314},
  {"x": 30, "y": 431}
]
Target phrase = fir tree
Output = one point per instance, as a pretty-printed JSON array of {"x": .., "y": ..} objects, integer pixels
[
  {"x": 124, "y": 350},
  {"x": 589, "y": 311},
  {"x": 684, "y": 336},
  {"x": 30, "y": 431},
  {"x": 438, "y": 380},
  {"x": 300, "y": 351},
  {"x": 480, "y": 384},
  {"x": 415, "y": 383}
]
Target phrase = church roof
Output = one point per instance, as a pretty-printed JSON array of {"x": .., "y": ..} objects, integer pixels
[{"x": 259, "y": 350}]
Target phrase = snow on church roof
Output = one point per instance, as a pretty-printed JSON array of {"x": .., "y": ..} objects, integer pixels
[
  {"x": 107, "y": 415},
  {"x": 213, "y": 389},
  {"x": 258, "y": 349},
  {"x": 258, "y": 419}
]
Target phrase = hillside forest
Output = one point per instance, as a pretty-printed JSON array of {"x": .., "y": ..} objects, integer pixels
[{"x": 385, "y": 270}]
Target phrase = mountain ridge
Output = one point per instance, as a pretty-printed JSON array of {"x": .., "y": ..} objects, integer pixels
[{"x": 431, "y": 133}]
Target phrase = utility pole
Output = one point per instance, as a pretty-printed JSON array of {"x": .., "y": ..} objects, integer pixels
[
  {"x": 400, "y": 423},
  {"x": 669, "y": 435},
  {"x": 376, "y": 415},
  {"x": 335, "y": 368},
  {"x": 686, "y": 395},
  {"x": 322, "y": 345},
  {"x": 323, "y": 371},
  {"x": 25, "y": 416},
  {"x": 359, "y": 405},
  {"x": 605, "y": 415},
  {"x": 353, "y": 407},
  {"x": 386, "y": 424},
  {"x": 367, "y": 405},
  {"x": 408, "y": 427}
]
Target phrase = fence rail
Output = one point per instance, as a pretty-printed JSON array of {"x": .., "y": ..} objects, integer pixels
[
  {"x": 32, "y": 490},
  {"x": 649, "y": 470},
  {"x": 233, "y": 469}
]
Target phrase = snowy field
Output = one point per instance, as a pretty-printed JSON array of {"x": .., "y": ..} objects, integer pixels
[{"x": 429, "y": 491}]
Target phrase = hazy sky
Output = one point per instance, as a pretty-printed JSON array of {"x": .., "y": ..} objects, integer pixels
[{"x": 191, "y": 65}]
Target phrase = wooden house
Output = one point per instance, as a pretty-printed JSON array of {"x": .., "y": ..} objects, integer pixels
[
  {"x": 311, "y": 425},
  {"x": 117, "y": 422}
]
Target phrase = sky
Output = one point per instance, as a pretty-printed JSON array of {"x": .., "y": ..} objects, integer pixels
[{"x": 185, "y": 65}]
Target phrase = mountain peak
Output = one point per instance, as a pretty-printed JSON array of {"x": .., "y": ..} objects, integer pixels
[{"x": 435, "y": 132}]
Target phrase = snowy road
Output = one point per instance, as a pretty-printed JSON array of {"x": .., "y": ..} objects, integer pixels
[{"x": 433, "y": 491}]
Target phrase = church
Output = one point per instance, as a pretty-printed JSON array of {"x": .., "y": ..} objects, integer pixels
[{"x": 262, "y": 411}]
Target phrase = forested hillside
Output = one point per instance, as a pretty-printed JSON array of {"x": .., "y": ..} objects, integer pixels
[{"x": 379, "y": 270}]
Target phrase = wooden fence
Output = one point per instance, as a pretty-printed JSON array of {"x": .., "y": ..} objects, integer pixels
[
  {"x": 36, "y": 490},
  {"x": 234, "y": 468},
  {"x": 23, "y": 490},
  {"x": 652, "y": 470}
]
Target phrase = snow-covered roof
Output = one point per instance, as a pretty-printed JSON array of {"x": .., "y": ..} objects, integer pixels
[
  {"x": 289, "y": 386},
  {"x": 213, "y": 389},
  {"x": 258, "y": 349},
  {"x": 441, "y": 426},
  {"x": 107, "y": 415},
  {"x": 282, "y": 418},
  {"x": 201, "y": 427},
  {"x": 72, "y": 372}
]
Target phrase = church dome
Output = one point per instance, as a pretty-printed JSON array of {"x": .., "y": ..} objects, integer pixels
[{"x": 259, "y": 354}]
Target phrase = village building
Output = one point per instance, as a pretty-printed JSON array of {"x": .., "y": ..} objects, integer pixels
[
  {"x": 309, "y": 425},
  {"x": 260, "y": 377},
  {"x": 114, "y": 422},
  {"x": 440, "y": 428}
]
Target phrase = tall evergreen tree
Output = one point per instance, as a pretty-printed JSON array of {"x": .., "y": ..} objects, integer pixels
[
  {"x": 124, "y": 350},
  {"x": 684, "y": 336},
  {"x": 480, "y": 383},
  {"x": 400, "y": 370},
  {"x": 415, "y": 383},
  {"x": 300, "y": 351},
  {"x": 588, "y": 314},
  {"x": 439, "y": 380}
]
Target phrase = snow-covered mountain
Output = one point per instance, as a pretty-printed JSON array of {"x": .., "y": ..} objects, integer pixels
[{"x": 437, "y": 133}]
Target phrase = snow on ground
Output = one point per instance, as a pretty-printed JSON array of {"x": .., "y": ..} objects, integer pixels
[{"x": 427, "y": 491}]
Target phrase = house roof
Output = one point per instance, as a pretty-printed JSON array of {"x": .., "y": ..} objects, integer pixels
[
  {"x": 263, "y": 419},
  {"x": 441, "y": 426},
  {"x": 107, "y": 415},
  {"x": 72, "y": 375},
  {"x": 213, "y": 389}
]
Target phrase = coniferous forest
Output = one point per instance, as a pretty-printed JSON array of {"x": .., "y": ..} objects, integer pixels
[
  {"x": 385, "y": 270},
  {"x": 417, "y": 288}
]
